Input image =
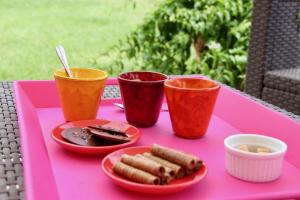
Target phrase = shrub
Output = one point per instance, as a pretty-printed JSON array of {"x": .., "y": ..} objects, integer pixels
[{"x": 209, "y": 37}]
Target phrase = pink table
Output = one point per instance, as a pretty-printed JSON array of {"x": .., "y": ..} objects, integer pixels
[{"x": 52, "y": 173}]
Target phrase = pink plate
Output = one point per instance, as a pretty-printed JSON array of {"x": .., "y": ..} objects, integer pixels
[
  {"x": 174, "y": 186},
  {"x": 132, "y": 132}
]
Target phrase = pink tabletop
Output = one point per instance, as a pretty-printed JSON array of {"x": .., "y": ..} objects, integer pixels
[{"x": 52, "y": 172}]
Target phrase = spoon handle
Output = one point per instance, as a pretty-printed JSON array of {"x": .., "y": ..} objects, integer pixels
[{"x": 63, "y": 59}]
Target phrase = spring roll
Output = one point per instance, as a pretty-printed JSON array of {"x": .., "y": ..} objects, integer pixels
[
  {"x": 144, "y": 164},
  {"x": 178, "y": 170},
  {"x": 134, "y": 174},
  {"x": 186, "y": 160}
]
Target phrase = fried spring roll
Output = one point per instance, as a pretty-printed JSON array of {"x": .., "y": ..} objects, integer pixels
[
  {"x": 134, "y": 174},
  {"x": 144, "y": 164},
  {"x": 178, "y": 170},
  {"x": 186, "y": 160}
]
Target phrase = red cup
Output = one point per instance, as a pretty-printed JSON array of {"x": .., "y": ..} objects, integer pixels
[
  {"x": 142, "y": 96},
  {"x": 191, "y": 102}
]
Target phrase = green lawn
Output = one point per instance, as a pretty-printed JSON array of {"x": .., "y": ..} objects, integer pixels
[{"x": 30, "y": 30}]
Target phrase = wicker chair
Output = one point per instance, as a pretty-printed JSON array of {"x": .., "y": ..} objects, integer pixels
[{"x": 273, "y": 71}]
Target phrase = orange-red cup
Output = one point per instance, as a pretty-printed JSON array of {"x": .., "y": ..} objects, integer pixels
[
  {"x": 80, "y": 96},
  {"x": 191, "y": 102}
]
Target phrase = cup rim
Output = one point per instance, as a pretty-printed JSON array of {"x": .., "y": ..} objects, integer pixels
[
  {"x": 217, "y": 85},
  {"x": 104, "y": 76},
  {"x": 139, "y": 82},
  {"x": 251, "y": 154}
]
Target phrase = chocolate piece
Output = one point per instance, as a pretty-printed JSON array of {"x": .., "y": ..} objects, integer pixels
[
  {"x": 80, "y": 136},
  {"x": 110, "y": 130},
  {"x": 110, "y": 137}
]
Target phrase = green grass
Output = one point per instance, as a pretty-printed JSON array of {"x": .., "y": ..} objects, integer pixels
[{"x": 30, "y": 30}]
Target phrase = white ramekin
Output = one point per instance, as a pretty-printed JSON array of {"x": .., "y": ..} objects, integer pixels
[{"x": 250, "y": 166}]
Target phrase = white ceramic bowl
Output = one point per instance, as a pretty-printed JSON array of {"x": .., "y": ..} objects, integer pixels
[{"x": 250, "y": 166}]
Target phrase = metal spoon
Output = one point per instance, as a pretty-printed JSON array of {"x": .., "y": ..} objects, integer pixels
[
  {"x": 63, "y": 59},
  {"x": 122, "y": 106},
  {"x": 119, "y": 105}
]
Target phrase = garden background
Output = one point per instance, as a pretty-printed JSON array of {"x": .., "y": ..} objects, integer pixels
[{"x": 171, "y": 36}]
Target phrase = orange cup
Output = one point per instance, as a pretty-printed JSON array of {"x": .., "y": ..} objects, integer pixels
[
  {"x": 190, "y": 103},
  {"x": 80, "y": 96}
]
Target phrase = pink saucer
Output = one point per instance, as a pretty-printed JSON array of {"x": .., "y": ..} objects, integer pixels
[
  {"x": 174, "y": 186},
  {"x": 132, "y": 132}
]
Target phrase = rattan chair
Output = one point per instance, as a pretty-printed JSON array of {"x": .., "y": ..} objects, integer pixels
[{"x": 273, "y": 71}]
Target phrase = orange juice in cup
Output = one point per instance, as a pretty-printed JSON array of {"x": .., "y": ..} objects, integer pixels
[{"x": 80, "y": 95}]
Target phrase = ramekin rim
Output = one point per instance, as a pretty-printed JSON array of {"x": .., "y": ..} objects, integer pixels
[{"x": 244, "y": 153}]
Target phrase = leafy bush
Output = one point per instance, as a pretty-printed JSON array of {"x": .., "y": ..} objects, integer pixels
[{"x": 191, "y": 36}]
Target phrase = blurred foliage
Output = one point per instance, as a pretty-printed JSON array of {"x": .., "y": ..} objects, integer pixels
[{"x": 207, "y": 37}]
